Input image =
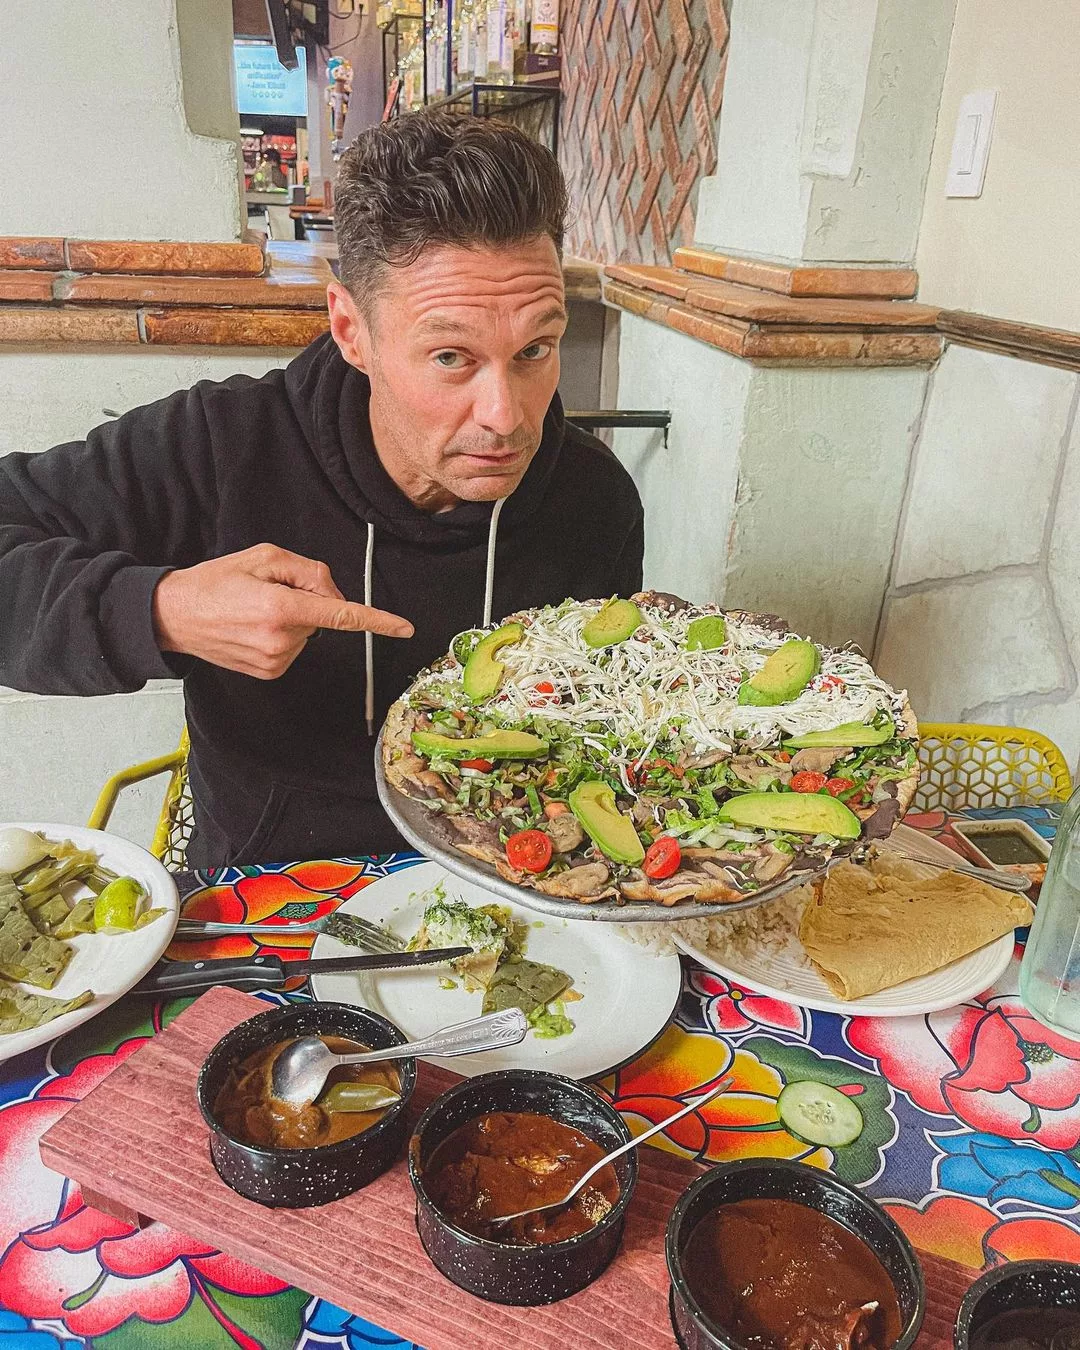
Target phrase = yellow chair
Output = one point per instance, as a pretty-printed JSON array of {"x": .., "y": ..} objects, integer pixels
[
  {"x": 966, "y": 765},
  {"x": 962, "y": 766},
  {"x": 177, "y": 819}
]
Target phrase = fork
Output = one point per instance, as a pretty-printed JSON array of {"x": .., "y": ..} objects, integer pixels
[{"x": 348, "y": 928}]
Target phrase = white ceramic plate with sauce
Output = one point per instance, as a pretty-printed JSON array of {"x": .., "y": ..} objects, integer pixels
[
  {"x": 781, "y": 975},
  {"x": 106, "y": 963},
  {"x": 629, "y": 995}
]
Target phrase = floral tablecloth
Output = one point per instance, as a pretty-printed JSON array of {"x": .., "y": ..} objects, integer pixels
[{"x": 972, "y": 1137}]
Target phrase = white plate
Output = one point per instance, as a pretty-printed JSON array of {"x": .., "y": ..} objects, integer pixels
[
  {"x": 781, "y": 976},
  {"x": 107, "y": 963},
  {"x": 628, "y": 994}
]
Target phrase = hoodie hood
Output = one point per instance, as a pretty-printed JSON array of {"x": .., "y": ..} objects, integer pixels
[{"x": 330, "y": 399}]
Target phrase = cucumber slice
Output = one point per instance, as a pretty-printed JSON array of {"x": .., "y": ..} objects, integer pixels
[{"x": 818, "y": 1114}]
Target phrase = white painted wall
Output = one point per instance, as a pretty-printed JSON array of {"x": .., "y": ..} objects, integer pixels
[
  {"x": 779, "y": 490},
  {"x": 56, "y": 753},
  {"x": 1014, "y": 252},
  {"x": 97, "y": 143},
  {"x": 982, "y": 621},
  {"x": 825, "y": 133}
]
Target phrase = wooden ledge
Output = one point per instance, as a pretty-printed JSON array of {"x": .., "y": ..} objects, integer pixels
[
  {"x": 582, "y": 279},
  {"x": 772, "y": 330},
  {"x": 1025, "y": 341},
  {"x": 856, "y": 281},
  {"x": 246, "y": 258},
  {"x": 757, "y": 306}
]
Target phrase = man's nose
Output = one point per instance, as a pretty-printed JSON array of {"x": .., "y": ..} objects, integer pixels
[{"x": 497, "y": 408}]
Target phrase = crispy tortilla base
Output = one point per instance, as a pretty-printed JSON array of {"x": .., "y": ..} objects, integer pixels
[{"x": 401, "y": 764}]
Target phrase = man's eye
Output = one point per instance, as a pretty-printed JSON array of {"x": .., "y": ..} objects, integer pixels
[
  {"x": 450, "y": 360},
  {"x": 536, "y": 351}
]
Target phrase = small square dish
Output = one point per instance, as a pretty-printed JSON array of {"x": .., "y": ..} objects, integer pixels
[{"x": 1007, "y": 844}]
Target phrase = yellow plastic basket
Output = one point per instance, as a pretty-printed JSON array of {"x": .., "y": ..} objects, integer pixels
[
  {"x": 177, "y": 818},
  {"x": 970, "y": 765}
]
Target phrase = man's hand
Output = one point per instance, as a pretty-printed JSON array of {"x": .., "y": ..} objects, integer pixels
[{"x": 253, "y": 611}]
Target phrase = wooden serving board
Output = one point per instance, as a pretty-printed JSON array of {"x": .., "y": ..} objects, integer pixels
[{"x": 139, "y": 1148}]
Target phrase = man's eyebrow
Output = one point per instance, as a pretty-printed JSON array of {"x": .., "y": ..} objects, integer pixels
[{"x": 443, "y": 326}]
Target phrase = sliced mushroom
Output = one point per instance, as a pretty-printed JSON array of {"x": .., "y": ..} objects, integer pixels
[
  {"x": 754, "y": 774},
  {"x": 706, "y": 760},
  {"x": 815, "y": 759},
  {"x": 577, "y": 883},
  {"x": 565, "y": 833},
  {"x": 770, "y": 866}
]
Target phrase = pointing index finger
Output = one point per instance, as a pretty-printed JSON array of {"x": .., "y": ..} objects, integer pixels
[{"x": 317, "y": 611}]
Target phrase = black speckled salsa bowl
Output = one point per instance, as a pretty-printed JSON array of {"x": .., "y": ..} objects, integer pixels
[
  {"x": 498, "y": 1271},
  {"x": 1020, "y": 1284},
  {"x": 294, "y": 1178},
  {"x": 782, "y": 1180}
]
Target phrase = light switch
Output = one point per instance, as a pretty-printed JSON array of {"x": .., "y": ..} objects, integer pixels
[{"x": 971, "y": 144}]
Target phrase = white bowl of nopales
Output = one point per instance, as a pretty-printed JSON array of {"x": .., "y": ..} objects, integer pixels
[{"x": 650, "y": 750}]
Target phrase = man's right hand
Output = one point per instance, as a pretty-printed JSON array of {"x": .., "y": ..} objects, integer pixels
[{"x": 253, "y": 611}]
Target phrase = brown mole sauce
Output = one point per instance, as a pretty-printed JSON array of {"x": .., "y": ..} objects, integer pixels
[
  {"x": 1029, "y": 1329},
  {"x": 246, "y": 1108},
  {"x": 780, "y": 1276},
  {"x": 510, "y": 1160}
]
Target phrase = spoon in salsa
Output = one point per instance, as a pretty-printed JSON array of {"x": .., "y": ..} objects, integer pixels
[
  {"x": 299, "y": 1072},
  {"x": 582, "y": 1181}
]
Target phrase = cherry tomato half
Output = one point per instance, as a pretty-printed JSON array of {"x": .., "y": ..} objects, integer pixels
[
  {"x": 835, "y": 786},
  {"x": 480, "y": 765},
  {"x": 529, "y": 850},
  {"x": 663, "y": 858},
  {"x": 808, "y": 782}
]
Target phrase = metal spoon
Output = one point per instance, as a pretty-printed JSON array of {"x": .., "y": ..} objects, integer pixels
[
  {"x": 300, "y": 1070},
  {"x": 722, "y": 1086}
]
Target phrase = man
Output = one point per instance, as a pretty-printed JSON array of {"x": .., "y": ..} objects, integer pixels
[{"x": 212, "y": 534}]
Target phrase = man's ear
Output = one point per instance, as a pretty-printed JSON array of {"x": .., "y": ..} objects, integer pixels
[{"x": 348, "y": 327}]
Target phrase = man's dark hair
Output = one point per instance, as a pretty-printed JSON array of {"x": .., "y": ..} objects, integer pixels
[{"x": 440, "y": 178}]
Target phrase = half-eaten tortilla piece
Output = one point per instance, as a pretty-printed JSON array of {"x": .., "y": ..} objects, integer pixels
[
  {"x": 527, "y": 985},
  {"x": 865, "y": 931}
]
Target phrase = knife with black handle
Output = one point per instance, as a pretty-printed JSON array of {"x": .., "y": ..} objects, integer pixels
[{"x": 252, "y": 973}]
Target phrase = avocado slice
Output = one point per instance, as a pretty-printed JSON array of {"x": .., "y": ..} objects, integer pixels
[
  {"x": 794, "y": 812},
  {"x": 613, "y": 833},
  {"x": 706, "y": 634},
  {"x": 784, "y": 676},
  {"x": 497, "y": 745},
  {"x": 483, "y": 674},
  {"x": 615, "y": 622},
  {"x": 848, "y": 734}
]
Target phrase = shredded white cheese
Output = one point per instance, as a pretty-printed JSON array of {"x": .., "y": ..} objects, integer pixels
[{"x": 650, "y": 689}]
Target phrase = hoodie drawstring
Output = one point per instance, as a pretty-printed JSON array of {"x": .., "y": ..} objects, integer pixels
[
  {"x": 369, "y": 638},
  {"x": 489, "y": 578}
]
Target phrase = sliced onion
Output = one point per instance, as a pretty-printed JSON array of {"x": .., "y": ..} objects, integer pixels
[{"x": 20, "y": 849}]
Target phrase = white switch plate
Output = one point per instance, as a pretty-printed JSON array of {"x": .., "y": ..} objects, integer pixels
[{"x": 971, "y": 144}]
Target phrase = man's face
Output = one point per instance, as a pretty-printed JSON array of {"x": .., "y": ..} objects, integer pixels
[{"x": 462, "y": 351}]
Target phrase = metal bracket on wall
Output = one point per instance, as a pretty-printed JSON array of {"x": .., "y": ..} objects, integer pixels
[{"x": 620, "y": 419}]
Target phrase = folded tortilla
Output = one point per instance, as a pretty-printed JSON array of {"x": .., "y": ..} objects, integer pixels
[{"x": 868, "y": 929}]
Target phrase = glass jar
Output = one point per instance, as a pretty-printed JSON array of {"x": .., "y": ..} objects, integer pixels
[{"x": 1050, "y": 971}]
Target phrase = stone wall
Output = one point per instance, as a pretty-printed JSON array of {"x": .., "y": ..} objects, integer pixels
[
  {"x": 981, "y": 619},
  {"x": 642, "y": 85}
]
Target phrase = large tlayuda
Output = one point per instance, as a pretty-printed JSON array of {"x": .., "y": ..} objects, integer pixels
[{"x": 646, "y": 749}]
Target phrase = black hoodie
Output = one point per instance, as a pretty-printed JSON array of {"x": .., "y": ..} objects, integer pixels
[{"x": 283, "y": 768}]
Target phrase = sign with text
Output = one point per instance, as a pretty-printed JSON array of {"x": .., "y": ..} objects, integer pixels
[{"x": 264, "y": 86}]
